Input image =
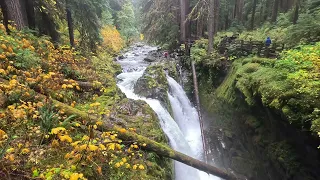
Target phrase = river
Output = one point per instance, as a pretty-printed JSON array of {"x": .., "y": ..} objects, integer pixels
[{"x": 183, "y": 130}]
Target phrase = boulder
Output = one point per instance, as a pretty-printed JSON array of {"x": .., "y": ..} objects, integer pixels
[
  {"x": 153, "y": 84},
  {"x": 121, "y": 57},
  {"x": 150, "y": 58}
]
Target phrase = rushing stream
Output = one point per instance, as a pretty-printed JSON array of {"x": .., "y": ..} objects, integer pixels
[{"x": 183, "y": 130}]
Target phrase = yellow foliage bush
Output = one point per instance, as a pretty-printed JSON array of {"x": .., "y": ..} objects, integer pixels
[{"x": 112, "y": 40}]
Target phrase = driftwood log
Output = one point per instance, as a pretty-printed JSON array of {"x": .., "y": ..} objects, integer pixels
[{"x": 158, "y": 148}]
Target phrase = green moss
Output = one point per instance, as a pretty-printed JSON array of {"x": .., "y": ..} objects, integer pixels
[
  {"x": 252, "y": 122},
  {"x": 226, "y": 90},
  {"x": 284, "y": 157},
  {"x": 154, "y": 84}
]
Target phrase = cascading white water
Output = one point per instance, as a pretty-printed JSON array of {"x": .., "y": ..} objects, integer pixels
[{"x": 184, "y": 130}]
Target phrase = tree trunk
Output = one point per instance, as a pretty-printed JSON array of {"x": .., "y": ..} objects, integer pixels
[
  {"x": 239, "y": 9},
  {"x": 261, "y": 14},
  {"x": 296, "y": 12},
  {"x": 5, "y": 16},
  {"x": 182, "y": 21},
  {"x": 226, "y": 23},
  {"x": 188, "y": 21},
  {"x": 196, "y": 93},
  {"x": 16, "y": 13},
  {"x": 275, "y": 11},
  {"x": 210, "y": 26},
  {"x": 266, "y": 12},
  {"x": 216, "y": 16},
  {"x": 235, "y": 9},
  {"x": 200, "y": 27},
  {"x": 31, "y": 14},
  {"x": 70, "y": 25},
  {"x": 254, "y": 6},
  {"x": 49, "y": 27}
]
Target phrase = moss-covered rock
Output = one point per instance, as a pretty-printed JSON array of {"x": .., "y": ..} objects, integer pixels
[
  {"x": 138, "y": 115},
  {"x": 171, "y": 68},
  {"x": 153, "y": 84}
]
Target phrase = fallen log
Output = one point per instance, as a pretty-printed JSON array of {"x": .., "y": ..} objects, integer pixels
[
  {"x": 158, "y": 148},
  {"x": 87, "y": 86}
]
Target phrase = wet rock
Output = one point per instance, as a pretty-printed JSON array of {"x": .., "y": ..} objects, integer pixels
[
  {"x": 153, "y": 84},
  {"x": 137, "y": 114},
  {"x": 139, "y": 45},
  {"x": 171, "y": 68},
  {"x": 150, "y": 59},
  {"x": 153, "y": 56},
  {"x": 121, "y": 57},
  {"x": 243, "y": 166}
]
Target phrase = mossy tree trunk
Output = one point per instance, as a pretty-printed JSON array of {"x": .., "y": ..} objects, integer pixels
[
  {"x": 17, "y": 13},
  {"x": 158, "y": 148}
]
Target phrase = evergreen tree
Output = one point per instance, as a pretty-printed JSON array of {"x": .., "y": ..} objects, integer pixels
[{"x": 126, "y": 21}]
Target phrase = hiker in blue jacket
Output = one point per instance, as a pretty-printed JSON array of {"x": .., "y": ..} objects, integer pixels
[{"x": 268, "y": 42}]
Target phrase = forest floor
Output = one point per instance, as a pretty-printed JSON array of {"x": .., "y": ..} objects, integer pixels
[{"x": 41, "y": 140}]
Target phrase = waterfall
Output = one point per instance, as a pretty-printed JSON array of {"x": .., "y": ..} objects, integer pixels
[{"x": 183, "y": 130}]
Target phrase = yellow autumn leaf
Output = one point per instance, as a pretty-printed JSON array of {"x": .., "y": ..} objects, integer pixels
[
  {"x": 128, "y": 166},
  {"x": 118, "y": 146},
  {"x": 57, "y": 130},
  {"x": 74, "y": 176},
  {"x": 2, "y": 134},
  {"x": 112, "y": 137},
  {"x": 117, "y": 165},
  {"x": 2, "y": 71},
  {"x": 99, "y": 169},
  {"x": 83, "y": 147},
  {"x": 11, "y": 157},
  {"x": 141, "y": 167},
  {"x": 65, "y": 138},
  {"x": 67, "y": 156},
  {"x": 111, "y": 146},
  {"x": 10, "y": 150},
  {"x": 93, "y": 147},
  {"x": 122, "y": 130},
  {"x": 55, "y": 143},
  {"x": 85, "y": 138},
  {"x": 75, "y": 143},
  {"x": 102, "y": 147},
  {"x": 25, "y": 151},
  {"x": 99, "y": 123}
]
